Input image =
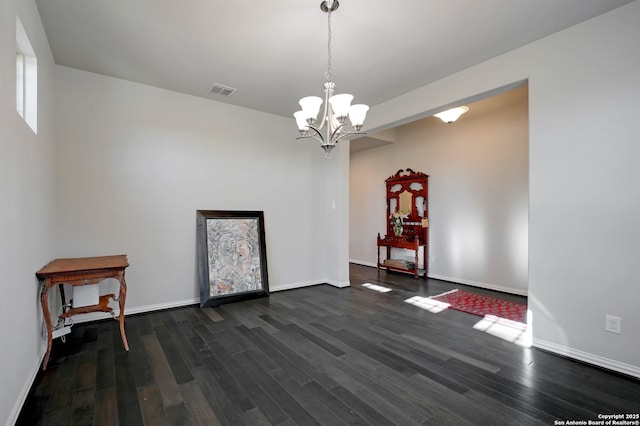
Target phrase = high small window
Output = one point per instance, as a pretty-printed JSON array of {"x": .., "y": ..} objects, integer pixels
[
  {"x": 26, "y": 78},
  {"x": 20, "y": 83}
]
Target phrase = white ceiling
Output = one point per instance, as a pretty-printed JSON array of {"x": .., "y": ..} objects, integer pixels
[{"x": 275, "y": 52}]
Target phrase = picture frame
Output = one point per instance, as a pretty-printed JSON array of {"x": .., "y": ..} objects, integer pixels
[{"x": 232, "y": 256}]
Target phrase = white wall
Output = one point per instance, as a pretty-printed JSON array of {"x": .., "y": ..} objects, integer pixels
[
  {"x": 26, "y": 208},
  {"x": 583, "y": 178},
  {"x": 335, "y": 229},
  {"x": 478, "y": 192},
  {"x": 134, "y": 163}
]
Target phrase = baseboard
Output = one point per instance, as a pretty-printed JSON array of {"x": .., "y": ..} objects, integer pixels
[
  {"x": 363, "y": 263},
  {"x": 292, "y": 286},
  {"x": 310, "y": 283},
  {"x": 487, "y": 286},
  {"x": 608, "y": 364},
  {"x": 97, "y": 316},
  {"x": 339, "y": 284}
]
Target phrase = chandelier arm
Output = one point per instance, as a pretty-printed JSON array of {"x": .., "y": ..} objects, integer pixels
[
  {"x": 319, "y": 139},
  {"x": 335, "y": 132},
  {"x": 344, "y": 135},
  {"x": 317, "y": 136},
  {"x": 317, "y": 130}
]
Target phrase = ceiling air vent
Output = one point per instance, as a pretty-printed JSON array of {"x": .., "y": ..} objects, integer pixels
[{"x": 221, "y": 89}]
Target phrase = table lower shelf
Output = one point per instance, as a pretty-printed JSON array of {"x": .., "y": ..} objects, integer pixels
[
  {"x": 416, "y": 272},
  {"x": 102, "y": 306},
  {"x": 410, "y": 243}
]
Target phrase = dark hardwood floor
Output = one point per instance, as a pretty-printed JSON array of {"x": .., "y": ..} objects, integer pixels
[{"x": 317, "y": 355}]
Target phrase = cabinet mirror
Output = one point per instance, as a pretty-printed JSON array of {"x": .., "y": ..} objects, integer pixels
[{"x": 407, "y": 194}]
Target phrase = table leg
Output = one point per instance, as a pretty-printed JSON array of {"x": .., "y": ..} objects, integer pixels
[
  {"x": 425, "y": 260},
  {"x": 44, "y": 301},
  {"x": 121, "y": 300}
]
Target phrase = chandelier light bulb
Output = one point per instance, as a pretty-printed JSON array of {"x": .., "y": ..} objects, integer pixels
[
  {"x": 357, "y": 114},
  {"x": 340, "y": 105},
  {"x": 301, "y": 121},
  {"x": 311, "y": 106}
]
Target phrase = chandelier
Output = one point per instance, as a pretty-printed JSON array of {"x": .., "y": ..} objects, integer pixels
[{"x": 337, "y": 108}]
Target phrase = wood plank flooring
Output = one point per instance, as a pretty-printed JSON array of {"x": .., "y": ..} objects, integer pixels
[{"x": 317, "y": 356}]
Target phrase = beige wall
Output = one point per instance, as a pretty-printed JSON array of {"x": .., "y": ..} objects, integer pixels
[{"x": 478, "y": 192}]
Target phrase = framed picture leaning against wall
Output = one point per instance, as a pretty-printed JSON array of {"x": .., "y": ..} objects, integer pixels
[{"x": 232, "y": 258}]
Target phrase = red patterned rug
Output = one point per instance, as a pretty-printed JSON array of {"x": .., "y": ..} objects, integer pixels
[{"x": 476, "y": 304}]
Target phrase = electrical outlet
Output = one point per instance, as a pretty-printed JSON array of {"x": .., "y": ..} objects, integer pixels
[{"x": 613, "y": 324}]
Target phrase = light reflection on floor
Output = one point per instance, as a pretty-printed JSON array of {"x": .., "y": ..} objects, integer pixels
[
  {"x": 377, "y": 288},
  {"x": 505, "y": 329},
  {"x": 428, "y": 304}
]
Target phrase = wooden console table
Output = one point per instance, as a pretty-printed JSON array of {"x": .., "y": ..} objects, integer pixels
[
  {"x": 401, "y": 242},
  {"x": 78, "y": 272},
  {"x": 407, "y": 220}
]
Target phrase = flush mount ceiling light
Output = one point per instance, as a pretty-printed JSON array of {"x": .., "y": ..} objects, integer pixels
[
  {"x": 337, "y": 108},
  {"x": 451, "y": 115}
]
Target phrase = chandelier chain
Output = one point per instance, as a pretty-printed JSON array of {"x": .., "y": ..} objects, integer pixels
[{"x": 328, "y": 75}]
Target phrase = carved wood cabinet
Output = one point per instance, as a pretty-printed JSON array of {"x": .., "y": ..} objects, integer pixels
[{"x": 407, "y": 221}]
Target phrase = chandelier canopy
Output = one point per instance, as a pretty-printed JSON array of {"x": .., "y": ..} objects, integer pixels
[{"x": 337, "y": 108}]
